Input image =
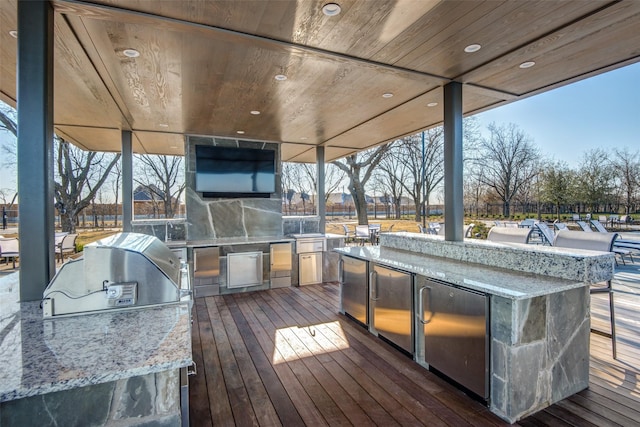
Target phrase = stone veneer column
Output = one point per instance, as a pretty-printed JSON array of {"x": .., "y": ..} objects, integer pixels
[{"x": 539, "y": 351}]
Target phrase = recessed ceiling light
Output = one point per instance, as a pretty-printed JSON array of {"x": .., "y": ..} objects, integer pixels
[
  {"x": 303, "y": 138},
  {"x": 280, "y": 77},
  {"x": 387, "y": 95},
  {"x": 240, "y": 132},
  {"x": 255, "y": 112},
  {"x": 432, "y": 104},
  {"x": 163, "y": 125},
  {"x": 472, "y": 48},
  {"x": 331, "y": 9},
  {"x": 131, "y": 53},
  {"x": 173, "y": 146},
  {"x": 14, "y": 34},
  {"x": 527, "y": 64}
]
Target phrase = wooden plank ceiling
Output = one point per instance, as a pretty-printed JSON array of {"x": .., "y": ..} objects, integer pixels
[{"x": 205, "y": 66}]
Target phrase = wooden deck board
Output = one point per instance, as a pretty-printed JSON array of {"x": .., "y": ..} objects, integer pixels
[{"x": 286, "y": 357}]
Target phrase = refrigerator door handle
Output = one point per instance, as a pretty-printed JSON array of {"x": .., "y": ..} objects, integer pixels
[
  {"x": 373, "y": 285},
  {"x": 421, "y": 305},
  {"x": 340, "y": 271}
]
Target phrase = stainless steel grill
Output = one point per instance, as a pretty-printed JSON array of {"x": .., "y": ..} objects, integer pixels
[{"x": 123, "y": 271}]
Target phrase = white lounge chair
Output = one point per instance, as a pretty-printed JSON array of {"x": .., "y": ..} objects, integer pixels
[
  {"x": 10, "y": 249},
  {"x": 509, "y": 235},
  {"x": 584, "y": 226}
]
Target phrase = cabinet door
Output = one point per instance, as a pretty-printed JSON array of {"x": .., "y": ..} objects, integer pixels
[
  {"x": 206, "y": 265},
  {"x": 310, "y": 267},
  {"x": 244, "y": 269},
  {"x": 281, "y": 256}
]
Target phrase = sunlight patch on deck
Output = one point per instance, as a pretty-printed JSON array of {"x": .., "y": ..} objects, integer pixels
[{"x": 297, "y": 342}]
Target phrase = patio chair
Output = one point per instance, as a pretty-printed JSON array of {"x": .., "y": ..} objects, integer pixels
[
  {"x": 614, "y": 219},
  {"x": 469, "y": 230},
  {"x": 10, "y": 249},
  {"x": 374, "y": 233},
  {"x": 422, "y": 229},
  {"x": 546, "y": 233},
  {"x": 560, "y": 226},
  {"x": 527, "y": 223},
  {"x": 597, "y": 224},
  {"x": 625, "y": 219},
  {"x": 58, "y": 239},
  {"x": 622, "y": 246},
  {"x": 509, "y": 235},
  {"x": 594, "y": 242},
  {"x": 67, "y": 246},
  {"x": 584, "y": 226},
  {"x": 575, "y": 217},
  {"x": 433, "y": 228},
  {"x": 362, "y": 234},
  {"x": 347, "y": 233}
]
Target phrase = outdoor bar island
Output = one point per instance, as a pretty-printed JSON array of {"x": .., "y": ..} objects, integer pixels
[{"x": 536, "y": 323}]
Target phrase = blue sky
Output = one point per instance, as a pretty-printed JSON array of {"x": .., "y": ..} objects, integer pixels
[{"x": 599, "y": 112}]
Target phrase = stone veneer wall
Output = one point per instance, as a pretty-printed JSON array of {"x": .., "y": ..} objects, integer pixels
[
  {"x": 149, "y": 400},
  {"x": 539, "y": 351},
  {"x": 230, "y": 217}
]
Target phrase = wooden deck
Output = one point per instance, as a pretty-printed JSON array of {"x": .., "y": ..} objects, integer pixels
[{"x": 286, "y": 357}]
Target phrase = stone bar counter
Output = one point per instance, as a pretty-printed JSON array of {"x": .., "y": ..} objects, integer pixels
[
  {"x": 539, "y": 309},
  {"x": 119, "y": 367}
]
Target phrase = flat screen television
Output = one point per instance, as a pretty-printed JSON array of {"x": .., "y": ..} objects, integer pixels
[{"x": 235, "y": 172}]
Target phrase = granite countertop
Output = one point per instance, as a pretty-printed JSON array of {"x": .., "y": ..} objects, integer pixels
[
  {"x": 492, "y": 280},
  {"x": 42, "y": 356}
]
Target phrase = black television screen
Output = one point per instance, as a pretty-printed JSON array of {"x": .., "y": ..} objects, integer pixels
[{"x": 235, "y": 172}]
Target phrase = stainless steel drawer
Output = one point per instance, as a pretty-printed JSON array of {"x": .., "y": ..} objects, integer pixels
[{"x": 310, "y": 245}]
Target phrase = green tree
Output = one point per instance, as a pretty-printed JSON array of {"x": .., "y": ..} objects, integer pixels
[
  {"x": 595, "y": 179},
  {"x": 558, "y": 184}
]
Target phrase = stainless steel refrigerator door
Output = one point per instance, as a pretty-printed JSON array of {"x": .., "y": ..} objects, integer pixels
[
  {"x": 455, "y": 328},
  {"x": 354, "y": 297},
  {"x": 391, "y": 295}
]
